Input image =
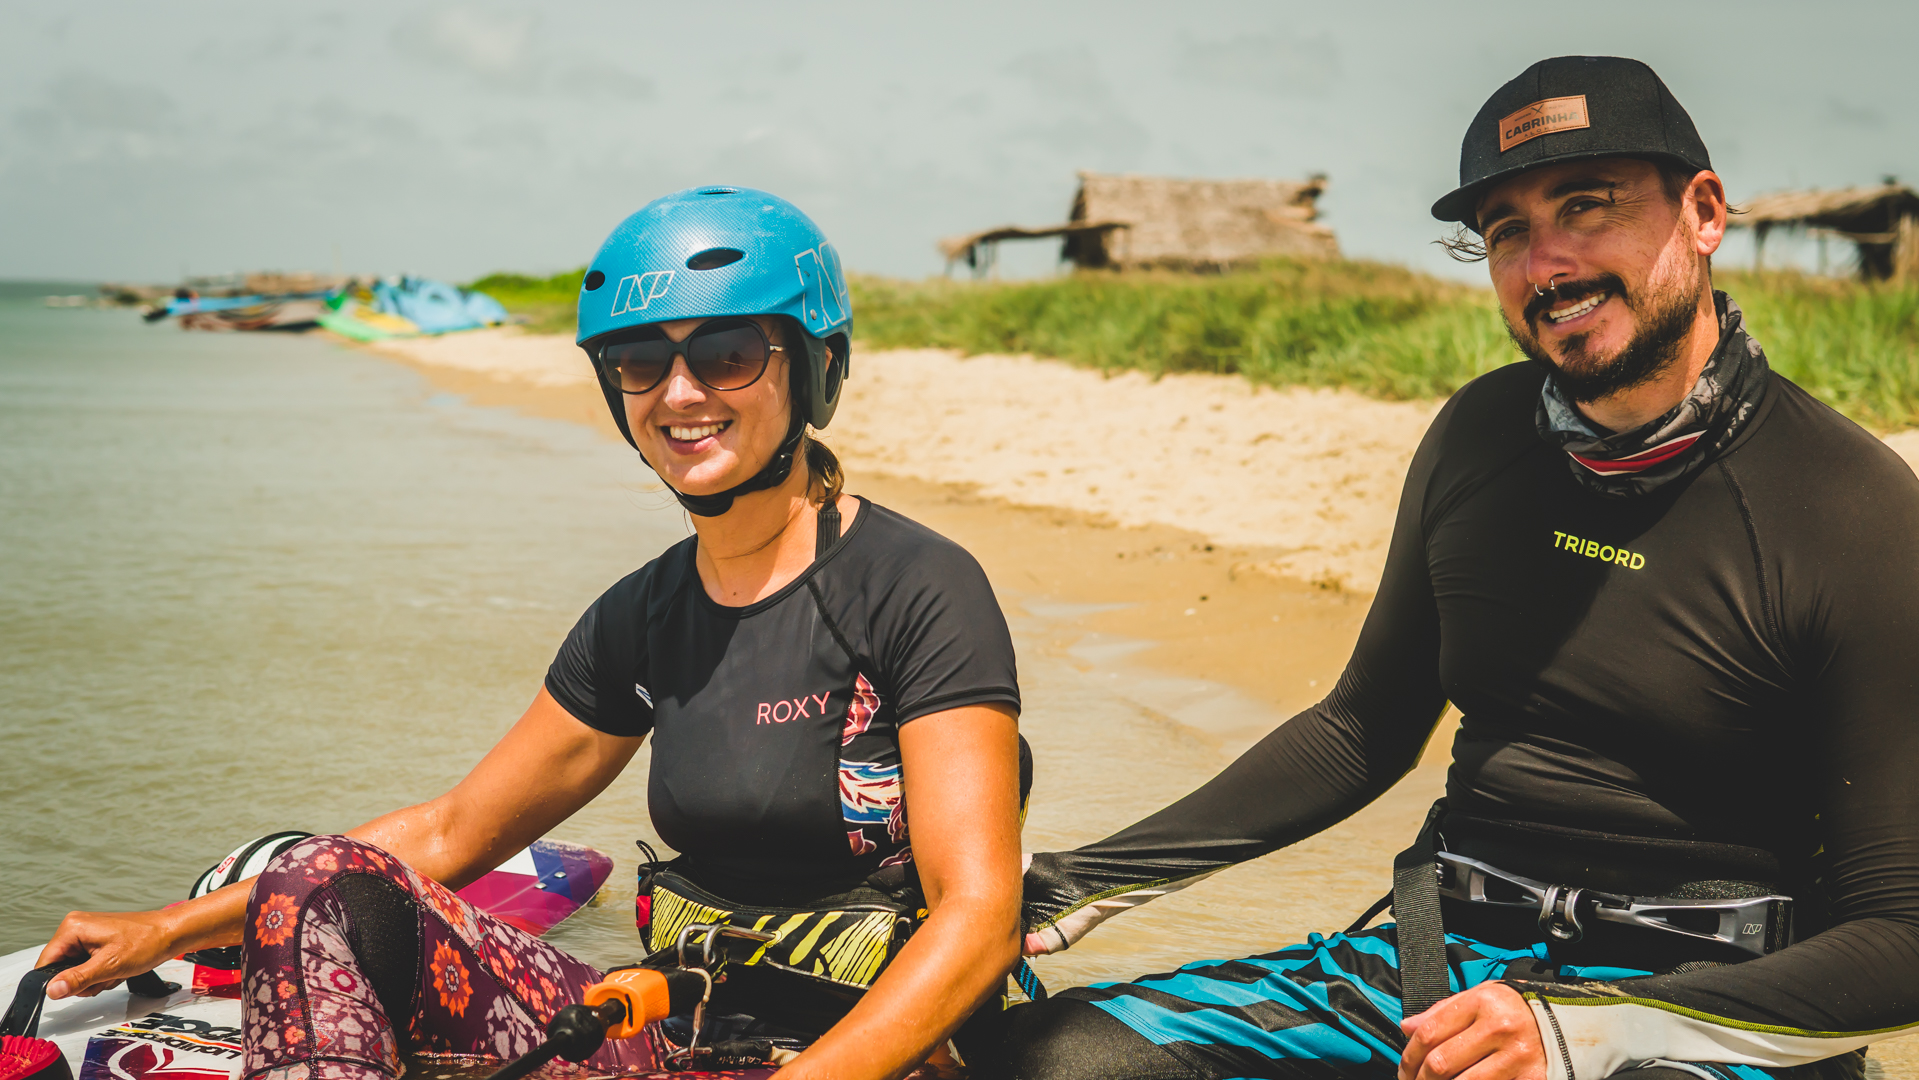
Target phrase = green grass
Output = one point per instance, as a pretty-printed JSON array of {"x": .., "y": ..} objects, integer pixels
[
  {"x": 547, "y": 304},
  {"x": 1854, "y": 346},
  {"x": 1382, "y": 330}
]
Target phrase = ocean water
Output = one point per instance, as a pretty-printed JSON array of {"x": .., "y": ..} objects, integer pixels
[
  {"x": 251, "y": 582},
  {"x": 255, "y": 581}
]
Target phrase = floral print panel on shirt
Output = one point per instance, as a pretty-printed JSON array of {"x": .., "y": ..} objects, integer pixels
[{"x": 871, "y": 797}]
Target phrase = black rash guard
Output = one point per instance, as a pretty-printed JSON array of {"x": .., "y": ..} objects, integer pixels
[
  {"x": 1732, "y": 658},
  {"x": 776, "y": 764}
]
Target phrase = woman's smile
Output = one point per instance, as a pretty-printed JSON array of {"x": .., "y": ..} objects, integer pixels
[{"x": 692, "y": 438}]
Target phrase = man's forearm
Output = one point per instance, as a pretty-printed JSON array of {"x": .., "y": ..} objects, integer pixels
[{"x": 1314, "y": 771}]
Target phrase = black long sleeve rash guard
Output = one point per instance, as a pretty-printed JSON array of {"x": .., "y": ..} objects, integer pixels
[{"x": 1731, "y": 658}]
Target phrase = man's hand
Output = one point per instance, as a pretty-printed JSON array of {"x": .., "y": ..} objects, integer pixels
[
  {"x": 1486, "y": 1033},
  {"x": 116, "y": 946}
]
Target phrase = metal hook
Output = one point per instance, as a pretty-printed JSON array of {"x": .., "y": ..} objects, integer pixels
[{"x": 684, "y": 1057}]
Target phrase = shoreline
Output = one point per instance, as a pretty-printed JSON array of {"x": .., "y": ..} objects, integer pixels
[
  {"x": 1181, "y": 600},
  {"x": 1304, "y": 482}
]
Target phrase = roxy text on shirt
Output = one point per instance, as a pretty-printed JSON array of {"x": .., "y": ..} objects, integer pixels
[{"x": 779, "y": 712}]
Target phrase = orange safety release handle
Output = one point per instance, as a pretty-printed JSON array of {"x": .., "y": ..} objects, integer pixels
[{"x": 643, "y": 991}]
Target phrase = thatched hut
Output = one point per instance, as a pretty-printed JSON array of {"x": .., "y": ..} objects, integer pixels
[
  {"x": 1882, "y": 220},
  {"x": 1124, "y": 222}
]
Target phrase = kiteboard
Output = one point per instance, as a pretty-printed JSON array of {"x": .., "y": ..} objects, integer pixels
[{"x": 193, "y": 1031}]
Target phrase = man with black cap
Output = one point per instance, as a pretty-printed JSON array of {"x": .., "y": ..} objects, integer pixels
[{"x": 1676, "y": 600}]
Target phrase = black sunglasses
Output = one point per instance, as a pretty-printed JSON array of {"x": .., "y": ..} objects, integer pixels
[{"x": 724, "y": 354}]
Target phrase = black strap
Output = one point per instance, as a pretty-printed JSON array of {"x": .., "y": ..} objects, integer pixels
[
  {"x": 23, "y": 1017},
  {"x": 773, "y": 475},
  {"x": 151, "y": 985},
  {"x": 829, "y": 533},
  {"x": 1421, "y": 937},
  {"x": 1028, "y": 981},
  {"x": 1379, "y": 905}
]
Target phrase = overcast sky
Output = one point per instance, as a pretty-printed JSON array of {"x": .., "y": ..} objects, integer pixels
[{"x": 138, "y": 140}]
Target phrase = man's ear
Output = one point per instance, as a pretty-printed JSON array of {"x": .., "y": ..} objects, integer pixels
[{"x": 1705, "y": 202}]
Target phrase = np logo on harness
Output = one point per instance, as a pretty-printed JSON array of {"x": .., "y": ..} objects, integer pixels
[{"x": 638, "y": 290}]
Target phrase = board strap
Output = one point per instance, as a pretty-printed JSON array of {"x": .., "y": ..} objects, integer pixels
[{"x": 1423, "y": 978}]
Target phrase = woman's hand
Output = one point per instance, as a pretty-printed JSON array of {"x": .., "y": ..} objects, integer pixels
[
  {"x": 116, "y": 945},
  {"x": 1486, "y": 1033},
  {"x": 119, "y": 945}
]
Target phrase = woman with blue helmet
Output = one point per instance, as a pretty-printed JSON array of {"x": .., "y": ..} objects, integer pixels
[{"x": 815, "y": 672}]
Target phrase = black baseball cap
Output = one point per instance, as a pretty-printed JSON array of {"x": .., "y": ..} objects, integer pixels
[{"x": 1566, "y": 108}]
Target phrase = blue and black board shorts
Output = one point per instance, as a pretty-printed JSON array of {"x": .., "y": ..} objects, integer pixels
[{"x": 1327, "y": 1008}]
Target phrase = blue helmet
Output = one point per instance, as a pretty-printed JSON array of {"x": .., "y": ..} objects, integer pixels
[{"x": 709, "y": 252}]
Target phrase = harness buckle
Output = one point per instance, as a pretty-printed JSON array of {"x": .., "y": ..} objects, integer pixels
[
  {"x": 1559, "y": 914},
  {"x": 1757, "y": 925},
  {"x": 711, "y": 956},
  {"x": 711, "y": 960}
]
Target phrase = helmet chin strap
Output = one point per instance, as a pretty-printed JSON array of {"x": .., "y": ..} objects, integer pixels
[{"x": 772, "y": 475}]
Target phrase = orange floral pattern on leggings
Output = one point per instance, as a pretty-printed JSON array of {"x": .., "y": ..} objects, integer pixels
[{"x": 486, "y": 989}]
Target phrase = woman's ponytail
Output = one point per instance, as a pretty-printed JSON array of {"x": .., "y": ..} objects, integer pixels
[{"x": 823, "y": 469}]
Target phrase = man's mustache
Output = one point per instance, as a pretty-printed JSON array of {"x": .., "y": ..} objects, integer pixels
[{"x": 1571, "y": 292}]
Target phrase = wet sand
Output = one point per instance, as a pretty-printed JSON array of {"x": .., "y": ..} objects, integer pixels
[{"x": 1216, "y": 637}]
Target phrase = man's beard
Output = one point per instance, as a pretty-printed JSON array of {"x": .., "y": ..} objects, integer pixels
[{"x": 1585, "y": 377}]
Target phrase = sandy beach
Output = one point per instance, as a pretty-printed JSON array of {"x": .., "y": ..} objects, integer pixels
[
  {"x": 1239, "y": 530},
  {"x": 1306, "y": 479}
]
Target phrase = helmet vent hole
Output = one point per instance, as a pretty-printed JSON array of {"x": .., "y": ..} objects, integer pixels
[
  {"x": 594, "y": 280},
  {"x": 720, "y": 191},
  {"x": 714, "y": 258}
]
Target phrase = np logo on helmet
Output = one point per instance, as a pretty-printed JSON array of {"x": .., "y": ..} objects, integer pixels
[
  {"x": 825, "y": 289},
  {"x": 638, "y": 290}
]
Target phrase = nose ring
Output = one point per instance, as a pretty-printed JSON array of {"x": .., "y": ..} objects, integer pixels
[{"x": 1537, "y": 291}]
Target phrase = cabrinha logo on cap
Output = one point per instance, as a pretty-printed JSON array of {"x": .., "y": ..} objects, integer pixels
[
  {"x": 1543, "y": 118},
  {"x": 1592, "y": 106}
]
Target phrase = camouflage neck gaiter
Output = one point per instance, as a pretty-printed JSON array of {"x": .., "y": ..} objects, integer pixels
[{"x": 1677, "y": 444}]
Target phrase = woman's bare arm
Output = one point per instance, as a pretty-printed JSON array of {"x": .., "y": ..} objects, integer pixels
[
  {"x": 962, "y": 801},
  {"x": 545, "y": 768}
]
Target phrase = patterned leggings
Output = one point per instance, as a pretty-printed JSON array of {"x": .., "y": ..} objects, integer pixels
[{"x": 353, "y": 959}]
